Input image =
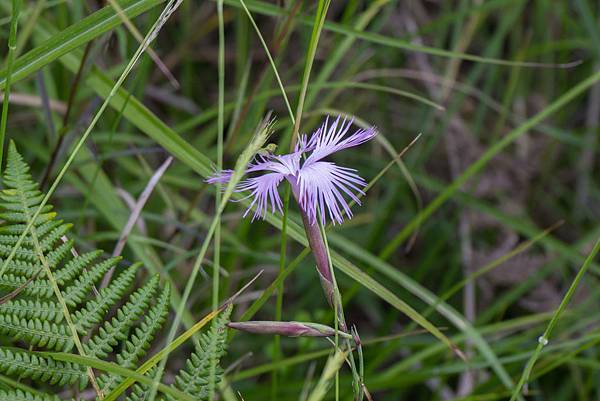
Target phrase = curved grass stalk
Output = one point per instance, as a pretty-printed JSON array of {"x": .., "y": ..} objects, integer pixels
[
  {"x": 268, "y": 53},
  {"x": 118, "y": 370},
  {"x": 220, "y": 133},
  {"x": 12, "y": 48},
  {"x": 544, "y": 338},
  {"x": 63, "y": 304},
  {"x": 162, "y": 355}
]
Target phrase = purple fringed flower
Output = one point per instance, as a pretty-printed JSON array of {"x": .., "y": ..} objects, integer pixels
[{"x": 319, "y": 186}]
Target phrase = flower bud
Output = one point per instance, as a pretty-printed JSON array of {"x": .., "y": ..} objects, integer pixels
[{"x": 289, "y": 329}]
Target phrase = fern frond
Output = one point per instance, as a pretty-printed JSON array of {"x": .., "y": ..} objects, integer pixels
[
  {"x": 50, "y": 238},
  {"x": 75, "y": 266},
  {"x": 116, "y": 330},
  {"x": 47, "y": 241},
  {"x": 95, "y": 309},
  {"x": 15, "y": 204},
  {"x": 50, "y": 231},
  {"x": 36, "y": 332},
  {"x": 139, "y": 342},
  {"x": 36, "y": 317},
  {"x": 59, "y": 253},
  {"x": 17, "y": 229},
  {"x": 20, "y": 395},
  {"x": 39, "y": 288},
  {"x": 21, "y": 217},
  {"x": 139, "y": 391},
  {"x": 32, "y": 309},
  {"x": 22, "y": 253},
  {"x": 21, "y": 268},
  {"x": 54, "y": 256},
  {"x": 39, "y": 368},
  {"x": 194, "y": 379},
  {"x": 82, "y": 286},
  {"x": 19, "y": 200}
]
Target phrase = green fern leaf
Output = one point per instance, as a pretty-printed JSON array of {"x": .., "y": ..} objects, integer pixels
[
  {"x": 32, "y": 309},
  {"x": 139, "y": 342},
  {"x": 53, "y": 229},
  {"x": 28, "y": 255},
  {"x": 38, "y": 288},
  {"x": 76, "y": 293},
  {"x": 95, "y": 309},
  {"x": 75, "y": 266},
  {"x": 36, "y": 332},
  {"x": 139, "y": 391},
  {"x": 22, "y": 268},
  {"x": 36, "y": 318},
  {"x": 25, "y": 364},
  {"x": 54, "y": 257},
  {"x": 17, "y": 229},
  {"x": 116, "y": 330},
  {"x": 20, "y": 395},
  {"x": 16, "y": 217},
  {"x": 195, "y": 378}
]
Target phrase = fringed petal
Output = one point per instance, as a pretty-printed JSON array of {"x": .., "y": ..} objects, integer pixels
[
  {"x": 264, "y": 194},
  {"x": 330, "y": 139},
  {"x": 220, "y": 177},
  {"x": 322, "y": 190}
]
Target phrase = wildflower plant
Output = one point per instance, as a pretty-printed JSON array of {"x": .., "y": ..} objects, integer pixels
[
  {"x": 321, "y": 189},
  {"x": 319, "y": 186}
]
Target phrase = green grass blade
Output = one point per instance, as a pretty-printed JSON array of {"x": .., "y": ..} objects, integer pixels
[
  {"x": 490, "y": 153},
  {"x": 272, "y": 10},
  {"x": 12, "y": 48},
  {"x": 159, "y": 356},
  {"x": 71, "y": 38},
  {"x": 543, "y": 339},
  {"x": 115, "y": 369}
]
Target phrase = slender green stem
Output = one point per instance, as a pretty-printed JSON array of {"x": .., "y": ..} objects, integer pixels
[
  {"x": 57, "y": 292},
  {"x": 12, "y": 48},
  {"x": 340, "y": 317},
  {"x": 220, "y": 131},
  {"x": 317, "y": 27},
  {"x": 162, "y": 354},
  {"x": 544, "y": 338},
  {"x": 268, "y": 53},
  {"x": 313, "y": 44},
  {"x": 280, "y": 287},
  {"x": 310, "y": 57},
  {"x": 337, "y": 309}
]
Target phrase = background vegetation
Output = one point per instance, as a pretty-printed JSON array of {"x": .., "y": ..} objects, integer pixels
[{"x": 481, "y": 227}]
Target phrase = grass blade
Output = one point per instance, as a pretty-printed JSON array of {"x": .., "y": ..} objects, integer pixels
[{"x": 543, "y": 339}]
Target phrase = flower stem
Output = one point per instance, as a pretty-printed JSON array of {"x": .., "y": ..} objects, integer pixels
[
  {"x": 315, "y": 234},
  {"x": 317, "y": 245}
]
